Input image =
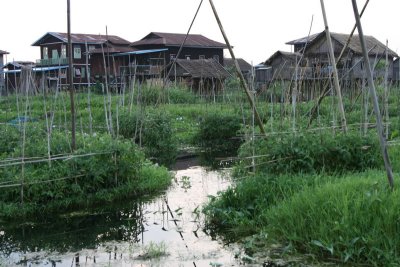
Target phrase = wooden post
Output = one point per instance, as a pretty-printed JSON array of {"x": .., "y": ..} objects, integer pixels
[
  {"x": 238, "y": 71},
  {"x": 334, "y": 69},
  {"x": 386, "y": 92},
  {"x": 71, "y": 79},
  {"x": 374, "y": 98}
]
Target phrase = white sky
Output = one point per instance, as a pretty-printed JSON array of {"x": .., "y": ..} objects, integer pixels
[{"x": 256, "y": 28}]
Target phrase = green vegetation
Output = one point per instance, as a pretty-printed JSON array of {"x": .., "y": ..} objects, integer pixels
[{"x": 101, "y": 170}]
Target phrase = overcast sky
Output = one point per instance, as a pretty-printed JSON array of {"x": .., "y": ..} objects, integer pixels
[{"x": 256, "y": 28}]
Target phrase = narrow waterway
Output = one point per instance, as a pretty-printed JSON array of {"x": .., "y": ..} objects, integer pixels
[{"x": 127, "y": 234}]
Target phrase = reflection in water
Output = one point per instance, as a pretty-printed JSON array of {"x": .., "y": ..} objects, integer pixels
[{"x": 118, "y": 235}]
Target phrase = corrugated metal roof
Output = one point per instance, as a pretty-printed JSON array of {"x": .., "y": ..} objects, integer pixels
[
  {"x": 82, "y": 38},
  {"x": 37, "y": 69},
  {"x": 112, "y": 49},
  {"x": 203, "y": 68},
  {"x": 141, "y": 52},
  {"x": 2, "y": 52},
  {"x": 176, "y": 39}
]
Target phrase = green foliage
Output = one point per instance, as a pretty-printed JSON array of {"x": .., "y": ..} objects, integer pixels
[
  {"x": 355, "y": 219},
  {"x": 219, "y": 132},
  {"x": 114, "y": 169},
  {"x": 308, "y": 153},
  {"x": 153, "y": 130}
]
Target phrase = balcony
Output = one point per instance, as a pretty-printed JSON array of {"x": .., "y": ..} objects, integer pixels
[{"x": 52, "y": 61}]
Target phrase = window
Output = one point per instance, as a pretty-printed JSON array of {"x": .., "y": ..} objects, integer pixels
[
  {"x": 83, "y": 72},
  {"x": 216, "y": 58},
  {"x": 202, "y": 57},
  {"x": 63, "y": 51},
  {"x": 91, "y": 48},
  {"x": 77, "y": 52},
  {"x": 187, "y": 57},
  {"x": 45, "y": 53},
  {"x": 77, "y": 72},
  {"x": 54, "y": 53}
]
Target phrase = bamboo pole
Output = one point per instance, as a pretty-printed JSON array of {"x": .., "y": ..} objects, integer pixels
[
  {"x": 371, "y": 84},
  {"x": 238, "y": 71},
  {"x": 89, "y": 90},
  {"x": 325, "y": 91},
  {"x": 386, "y": 92},
  {"x": 71, "y": 79},
  {"x": 334, "y": 69}
]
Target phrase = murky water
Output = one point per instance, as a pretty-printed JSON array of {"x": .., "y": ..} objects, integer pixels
[{"x": 127, "y": 234}]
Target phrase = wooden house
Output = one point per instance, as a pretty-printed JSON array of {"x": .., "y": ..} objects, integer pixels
[
  {"x": 91, "y": 53},
  {"x": 285, "y": 66},
  {"x": 2, "y": 53},
  {"x": 196, "y": 46},
  {"x": 204, "y": 76},
  {"x": 351, "y": 66}
]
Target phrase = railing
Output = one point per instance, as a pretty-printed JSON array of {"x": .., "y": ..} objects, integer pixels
[{"x": 52, "y": 61}]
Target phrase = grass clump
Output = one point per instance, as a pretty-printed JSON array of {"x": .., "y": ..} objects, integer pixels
[
  {"x": 355, "y": 219},
  {"x": 154, "y": 251}
]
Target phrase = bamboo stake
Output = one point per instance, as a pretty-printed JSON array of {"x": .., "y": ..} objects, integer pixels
[
  {"x": 335, "y": 73},
  {"x": 371, "y": 84},
  {"x": 386, "y": 92},
  {"x": 238, "y": 71},
  {"x": 89, "y": 90},
  {"x": 325, "y": 91},
  {"x": 71, "y": 78}
]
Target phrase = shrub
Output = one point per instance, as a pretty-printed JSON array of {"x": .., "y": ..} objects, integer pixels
[
  {"x": 116, "y": 169},
  {"x": 153, "y": 130},
  {"x": 313, "y": 152}
]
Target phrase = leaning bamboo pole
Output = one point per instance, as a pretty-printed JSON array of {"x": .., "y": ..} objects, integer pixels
[
  {"x": 334, "y": 69},
  {"x": 386, "y": 96},
  {"x": 374, "y": 97},
  {"x": 238, "y": 71}
]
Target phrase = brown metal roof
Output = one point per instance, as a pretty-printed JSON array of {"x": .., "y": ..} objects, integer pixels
[
  {"x": 176, "y": 39},
  {"x": 243, "y": 64},
  {"x": 82, "y": 38},
  {"x": 112, "y": 49},
  {"x": 203, "y": 68}
]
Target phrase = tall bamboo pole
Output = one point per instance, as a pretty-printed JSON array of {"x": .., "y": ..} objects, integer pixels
[
  {"x": 238, "y": 71},
  {"x": 372, "y": 90},
  {"x": 334, "y": 69},
  {"x": 71, "y": 78}
]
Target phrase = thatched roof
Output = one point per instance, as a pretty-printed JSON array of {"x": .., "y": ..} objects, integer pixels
[
  {"x": 202, "y": 68},
  {"x": 374, "y": 46},
  {"x": 243, "y": 64},
  {"x": 285, "y": 55}
]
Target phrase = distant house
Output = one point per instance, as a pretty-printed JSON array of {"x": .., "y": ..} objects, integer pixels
[
  {"x": 351, "y": 65},
  {"x": 2, "y": 53},
  {"x": 315, "y": 64},
  {"x": 12, "y": 72},
  {"x": 196, "y": 46},
  {"x": 91, "y": 52},
  {"x": 201, "y": 75}
]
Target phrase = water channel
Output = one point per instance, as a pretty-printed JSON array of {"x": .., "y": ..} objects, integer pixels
[{"x": 128, "y": 234}]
